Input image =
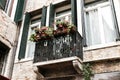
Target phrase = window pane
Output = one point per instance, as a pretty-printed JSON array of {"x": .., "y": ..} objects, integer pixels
[
  {"x": 64, "y": 16},
  {"x": 2, "y": 3},
  {"x": 31, "y": 45},
  {"x": 92, "y": 28},
  {"x": 99, "y": 25},
  {"x": 108, "y": 24}
]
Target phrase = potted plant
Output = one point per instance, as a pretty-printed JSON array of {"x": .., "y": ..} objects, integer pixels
[{"x": 42, "y": 33}]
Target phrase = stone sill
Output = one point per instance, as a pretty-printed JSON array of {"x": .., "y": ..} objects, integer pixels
[
  {"x": 101, "y": 46},
  {"x": 57, "y": 61},
  {"x": 23, "y": 60},
  {"x": 100, "y": 60}
]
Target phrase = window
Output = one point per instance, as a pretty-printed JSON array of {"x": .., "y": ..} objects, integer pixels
[
  {"x": 99, "y": 23},
  {"x": 64, "y": 16},
  {"x": 63, "y": 13},
  {"x": 3, "y": 57},
  {"x": 3, "y": 4},
  {"x": 35, "y": 23}
]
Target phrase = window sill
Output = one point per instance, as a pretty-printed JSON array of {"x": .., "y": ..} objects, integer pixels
[
  {"x": 101, "y": 46},
  {"x": 24, "y": 60}
]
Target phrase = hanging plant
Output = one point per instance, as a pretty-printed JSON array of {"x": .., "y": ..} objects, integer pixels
[
  {"x": 87, "y": 72},
  {"x": 43, "y": 33},
  {"x": 64, "y": 28}
]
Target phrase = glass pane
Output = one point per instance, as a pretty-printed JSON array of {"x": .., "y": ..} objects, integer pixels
[
  {"x": 108, "y": 24},
  {"x": 92, "y": 28},
  {"x": 64, "y": 16},
  {"x": 99, "y": 25},
  {"x": 31, "y": 45}
]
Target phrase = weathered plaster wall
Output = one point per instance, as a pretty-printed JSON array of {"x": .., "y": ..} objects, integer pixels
[
  {"x": 106, "y": 66},
  {"x": 32, "y": 5},
  {"x": 8, "y": 31},
  {"x": 105, "y": 59},
  {"x": 24, "y": 71},
  {"x": 109, "y": 52}
]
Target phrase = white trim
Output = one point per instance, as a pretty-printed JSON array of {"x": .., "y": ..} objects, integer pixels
[
  {"x": 23, "y": 60},
  {"x": 14, "y": 9},
  {"x": 79, "y": 16},
  {"x": 97, "y": 6},
  {"x": 47, "y": 16},
  {"x": 19, "y": 40},
  {"x": 66, "y": 14},
  {"x": 101, "y": 46},
  {"x": 27, "y": 44},
  {"x": 9, "y": 6},
  {"x": 117, "y": 10},
  {"x": 58, "y": 1}
]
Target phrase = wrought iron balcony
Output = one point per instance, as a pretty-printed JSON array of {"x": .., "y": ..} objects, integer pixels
[{"x": 59, "y": 47}]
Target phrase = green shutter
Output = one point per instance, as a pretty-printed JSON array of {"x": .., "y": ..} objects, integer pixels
[
  {"x": 24, "y": 36},
  {"x": 19, "y": 10},
  {"x": 74, "y": 11},
  {"x": 51, "y": 15},
  {"x": 2, "y": 4},
  {"x": 43, "y": 20}
]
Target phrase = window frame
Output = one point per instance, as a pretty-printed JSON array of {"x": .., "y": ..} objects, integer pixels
[
  {"x": 102, "y": 37},
  {"x": 29, "y": 42}
]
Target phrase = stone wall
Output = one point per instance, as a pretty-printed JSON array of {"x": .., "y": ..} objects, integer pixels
[
  {"x": 8, "y": 30},
  {"x": 102, "y": 53},
  {"x": 104, "y": 59},
  {"x": 24, "y": 70},
  {"x": 32, "y": 5}
]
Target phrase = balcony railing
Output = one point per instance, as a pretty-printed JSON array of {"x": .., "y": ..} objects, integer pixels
[{"x": 59, "y": 47}]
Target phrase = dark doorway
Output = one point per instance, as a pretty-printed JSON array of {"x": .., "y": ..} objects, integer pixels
[{"x": 3, "y": 56}]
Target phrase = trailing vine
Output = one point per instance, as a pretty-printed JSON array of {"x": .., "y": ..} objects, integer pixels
[{"x": 87, "y": 72}]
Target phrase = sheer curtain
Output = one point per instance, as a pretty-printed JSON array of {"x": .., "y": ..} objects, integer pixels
[
  {"x": 108, "y": 24},
  {"x": 31, "y": 45},
  {"x": 92, "y": 28},
  {"x": 99, "y": 25}
]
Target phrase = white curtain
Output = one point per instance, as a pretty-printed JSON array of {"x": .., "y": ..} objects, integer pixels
[
  {"x": 99, "y": 26},
  {"x": 31, "y": 46},
  {"x": 92, "y": 28},
  {"x": 108, "y": 24}
]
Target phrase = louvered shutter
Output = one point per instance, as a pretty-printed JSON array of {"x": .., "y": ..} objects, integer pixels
[
  {"x": 51, "y": 15},
  {"x": 44, "y": 13},
  {"x": 19, "y": 10},
  {"x": 24, "y": 36}
]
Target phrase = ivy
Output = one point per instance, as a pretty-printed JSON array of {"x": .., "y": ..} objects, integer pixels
[{"x": 87, "y": 72}]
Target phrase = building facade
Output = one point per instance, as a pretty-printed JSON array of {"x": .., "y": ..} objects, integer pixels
[
  {"x": 8, "y": 38},
  {"x": 96, "y": 41}
]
